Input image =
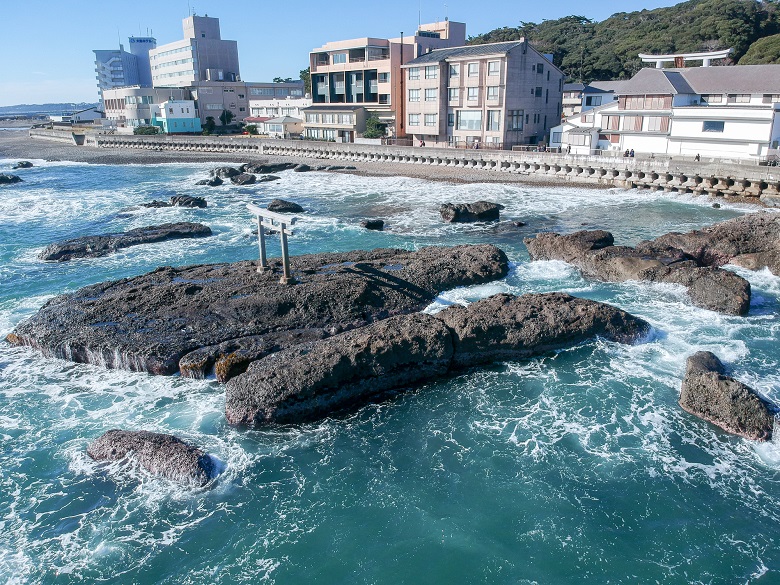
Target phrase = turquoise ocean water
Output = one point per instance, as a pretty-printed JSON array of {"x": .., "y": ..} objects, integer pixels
[{"x": 576, "y": 467}]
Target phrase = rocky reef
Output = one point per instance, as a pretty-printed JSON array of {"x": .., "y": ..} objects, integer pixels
[
  {"x": 159, "y": 454},
  {"x": 470, "y": 212},
  {"x": 102, "y": 245},
  {"x": 151, "y": 322},
  {"x": 314, "y": 379},
  {"x": 711, "y": 395}
]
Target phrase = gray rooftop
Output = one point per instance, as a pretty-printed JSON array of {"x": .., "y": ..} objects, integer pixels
[
  {"x": 752, "y": 79},
  {"x": 616, "y": 86},
  {"x": 439, "y": 55}
]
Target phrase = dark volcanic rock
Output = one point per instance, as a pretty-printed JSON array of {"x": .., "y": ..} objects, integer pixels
[
  {"x": 243, "y": 179},
  {"x": 225, "y": 172},
  {"x": 22, "y": 164},
  {"x": 155, "y": 204},
  {"x": 313, "y": 379},
  {"x": 159, "y": 454},
  {"x": 373, "y": 224},
  {"x": 708, "y": 393},
  {"x": 470, "y": 212},
  {"x": 751, "y": 241},
  {"x": 268, "y": 178},
  {"x": 266, "y": 168},
  {"x": 7, "y": 179},
  {"x": 506, "y": 327},
  {"x": 282, "y": 206},
  {"x": 149, "y": 322},
  {"x": 302, "y": 168},
  {"x": 595, "y": 255},
  {"x": 94, "y": 246},
  {"x": 188, "y": 201},
  {"x": 212, "y": 182}
]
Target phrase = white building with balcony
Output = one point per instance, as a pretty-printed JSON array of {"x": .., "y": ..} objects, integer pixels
[{"x": 719, "y": 112}]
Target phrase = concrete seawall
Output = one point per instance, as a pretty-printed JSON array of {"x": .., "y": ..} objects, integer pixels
[{"x": 721, "y": 178}]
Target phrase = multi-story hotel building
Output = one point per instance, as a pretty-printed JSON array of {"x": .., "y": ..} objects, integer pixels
[
  {"x": 365, "y": 73},
  {"x": 202, "y": 55},
  {"x": 118, "y": 68},
  {"x": 498, "y": 95}
]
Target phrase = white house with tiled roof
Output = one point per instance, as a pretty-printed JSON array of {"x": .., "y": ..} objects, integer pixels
[{"x": 724, "y": 112}]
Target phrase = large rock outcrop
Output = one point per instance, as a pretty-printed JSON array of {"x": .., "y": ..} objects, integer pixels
[
  {"x": 265, "y": 168},
  {"x": 150, "y": 322},
  {"x": 708, "y": 393},
  {"x": 317, "y": 378},
  {"x": 102, "y": 245},
  {"x": 595, "y": 254},
  {"x": 179, "y": 201},
  {"x": 8, "y": 179},
  {"x": 225, "y": 172},
  {"x": 243, "y": 179},
  {"x": 282, "y": 206},
  {"x": 160, "y": 454},
  {"x": 22, "y": 164},
  {"x": 470, "y": 212}
]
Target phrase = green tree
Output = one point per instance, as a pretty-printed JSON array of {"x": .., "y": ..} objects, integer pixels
[
  {"x": 374, "y": 128},
  {"x": 251, "y": 129},
  {"x": 283, "y": 80},
  {"x": 209, "y": 125},
  {"x": 146, "y": 130},
  {"x": 305, "y": 76},
  {"x": 226, "y": 117},
  {"x": 766, "y": 50}
]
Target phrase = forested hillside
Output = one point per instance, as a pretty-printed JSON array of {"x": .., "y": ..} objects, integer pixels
[{"x": 588, "y": 50}]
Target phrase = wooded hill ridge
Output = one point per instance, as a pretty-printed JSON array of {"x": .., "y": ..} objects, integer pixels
[{"x": 588, "y": 51}]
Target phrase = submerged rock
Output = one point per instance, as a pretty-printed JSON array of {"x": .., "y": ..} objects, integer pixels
[
  {"x": 160, "y": 454},
  {"x": 149, "y": 322},
  {"x": 708, "y": 393},
  {"x": 373, "y": 224},
  {"x": 470, "y": 212},
  {"x": 22, "y": 164},
  {"x": 8, "y": 179},
  {"x": 282, "y": 206},
  {"x": 212, "y": 182},
  {"x": 595, "y": 255},
  {"x": 102, "y": 245},
  {"x": 302, "y": 168},
  {"x": 179, "y": 201},
  {"x": 268, "y": 178},
  {"x": 317, "y": 378}
]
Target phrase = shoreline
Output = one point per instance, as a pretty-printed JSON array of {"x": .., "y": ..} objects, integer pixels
[{"x": 19, "y": 145}]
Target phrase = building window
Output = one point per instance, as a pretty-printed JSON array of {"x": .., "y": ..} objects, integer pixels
[
  {"x": 611, "y": 122},
  {"x": 339, "y": 58},
  {"x": 384, "y": 77},
  {"x": 455, "y": 70},
  {"x": 632, "y": 123},
  {"x": 242, "y": 109},
  {"x": 261, "y": 91},
  {"x": 431, "y": 72},
  {"x": 712, "y": 126},
  {"x": 453, "y": 91},
  {"x": 345, "y": 119},
  {"x": 468, "y": 120},
  {"x": 414, "y": 95},
  {"x": 312, "y": 118},
  {"x": 538, "y": 92},
  {"x": 586, "y": 118},
  {"x": 473, "y": 69},
  {"x": 593, "y": 100},
  {"x": 328, "y": 118},
  {"x": 540, "y": 67},
  {"x": 492, "y": 92},
  {"x": 450, "y": 119},
  {"x": 414, "y": 73},
  {"x": 493, "y": 121},
  {"x": 740, "y": 98},
  {"x": 493, "y": 67},
  {"x": 515, "y": 119},
  {"x": 414, "y": 119},
  {"x": 430, "y": 95},
  {"x": 241, "y": 96},
  {"x": 771, "y": 98},
  {"x": 473, "y": 94},
  {"x": 430, "y": 119},
  {"x": 556, "y": 138},
  {"x": 658, "y": 124}
]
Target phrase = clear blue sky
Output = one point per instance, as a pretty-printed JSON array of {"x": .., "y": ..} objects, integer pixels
[{"x": 46, "y": 46}]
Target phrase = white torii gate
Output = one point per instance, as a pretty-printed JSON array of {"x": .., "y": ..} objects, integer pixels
[{"x": 679, "y": 59}]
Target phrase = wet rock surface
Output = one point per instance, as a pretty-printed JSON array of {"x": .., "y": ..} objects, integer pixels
[
  {"x": 373, "y": 224},
  {"x": 179, "y": 201},
  {"x": 102, "y": 245},
  {"x": 470, "y": 212},
  {"x": 315, "y": 379},
  {"x": 709, "y": 394},
  {"x": 22, "y": 164},
  {"x": 148, "y": 323},
  {"x": 282, "y": 206},
  {"x": 243, "y": 179},
  {"x": 595, "y": 254},
  {"x": 266, "y": 168},
  {"x": 159, "y": 454},
  {"x": 8, "y": 179},
  {"x": 212, "y": 182},
  {"x": 225, "y": 172}
]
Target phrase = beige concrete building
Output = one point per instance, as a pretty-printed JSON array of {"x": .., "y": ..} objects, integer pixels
[
  {"x": 202, "y": 55},
  {"x": 128, "y": 107},
  {"x": 366, "y": 73},
  {"x": 496, "y": 95}
]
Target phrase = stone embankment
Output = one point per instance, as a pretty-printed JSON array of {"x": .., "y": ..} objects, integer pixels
[
  {"x": 667, "y": 174},
  {"x": 314, "y": 379}
]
